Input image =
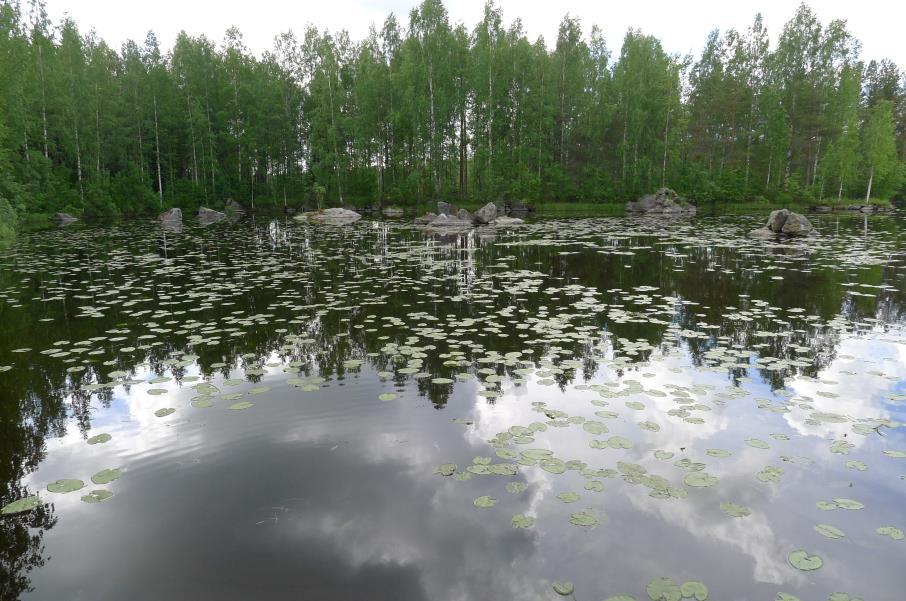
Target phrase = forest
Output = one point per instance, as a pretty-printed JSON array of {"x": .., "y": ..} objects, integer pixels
[{"x": 423, "y": 109}]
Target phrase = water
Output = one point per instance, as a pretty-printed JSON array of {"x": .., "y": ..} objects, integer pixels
[{"x": 562, "y": 335}]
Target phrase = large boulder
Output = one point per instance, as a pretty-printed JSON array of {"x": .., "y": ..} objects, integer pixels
[
  {"x": 776, "y": 220},
  {"x": 447, "y": 221},
  {"x": 664, "y": 201},
  {"x": 233, "y": 207},
  {"x": 486, "y": 214},
  {"x": 784, "y": 223},
  {"x": 464, "y": 215},
  {"x": 445, "y": 208},
  {"x": 426, "y": 218},
  {"x": 63, "y": 219},
  {"x": 504, "y": 221},
  {"x": 174, "y": 215},
  {"x": 208, "y": 216},
  {"x": 334, "y": 216},
  {"x": 797, "y": 225}
]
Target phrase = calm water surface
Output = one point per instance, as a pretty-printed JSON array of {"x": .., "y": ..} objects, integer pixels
[{"x": 317, "y": 412}]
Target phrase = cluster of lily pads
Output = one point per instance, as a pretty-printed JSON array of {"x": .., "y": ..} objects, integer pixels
[{"x": 433, "y": 315}]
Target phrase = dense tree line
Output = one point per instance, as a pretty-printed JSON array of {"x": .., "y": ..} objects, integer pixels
[{"x": 428, "y": 109}]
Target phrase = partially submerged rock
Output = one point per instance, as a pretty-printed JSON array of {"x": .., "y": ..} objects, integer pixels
[
  {"x": 233, "y": 207},
  {"x": 425, "y": 219},
  {"x": 174, "y": 215},
  {"x": 208, "y": 216},
  {"x": 445, "y": 208},
  {"x": 784, "y": 223},
  {"x": 63, "y": 219},
  {"x": 664, "y": 201},
  {"x": 486, "y": 214},
  {"x": 333, "y": 216},
  {"x": 504, "y": 221},
  {"x": 444, "y": 221}
]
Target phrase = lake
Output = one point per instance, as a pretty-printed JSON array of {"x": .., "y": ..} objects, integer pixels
[{"x": 600, "y": 408}]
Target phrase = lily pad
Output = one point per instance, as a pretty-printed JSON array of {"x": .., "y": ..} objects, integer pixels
[
  {"x": 735, "y": 511},
  {"x": 522, "y": 521},
  {"x": 801, "y": 560},
  {"x": 583, "y": 518},
  {"x": 447, "y": 469},
  {"x": 564, "y": 588},
  {"x": 21, "y": 505},
  {"x": 696, "y": 589},
  {"x": 97, "y": 495},
  {"x": 106, "y": 476},
  {"x": 700, "y": 479},
  {"x": 484, "y": 501},
  {"x": 387, "y": 396},
  {"x": 165, "y": 412},
  {"x": 65, "y": 486},
  {"x": 241, "y": 405},
  {"x": 664, "y": 589},
  {"x": 829, "y": 531},
  {"x": 891, "y": 531},
  {"x": 99, "y": 439}
]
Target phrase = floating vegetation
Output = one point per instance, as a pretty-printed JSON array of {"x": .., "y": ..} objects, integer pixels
[
  {"x": 21, "y": 505},
  {"x": 65, "y": 486},
  {"x": 97, "y": 496},
  {"x": 801, "y": 560},
  {"x": 484, "y": 501}
]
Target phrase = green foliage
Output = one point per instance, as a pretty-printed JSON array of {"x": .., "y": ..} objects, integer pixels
[{"x": 425, "y": 110}]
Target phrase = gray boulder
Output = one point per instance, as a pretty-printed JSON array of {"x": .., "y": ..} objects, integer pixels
[
  {"x": 426, "y": 218},
  {"x": 664, "y": 201},
  {"x": 233, "y": 207},
  {"x": 172, "y": 216},
  {"x": 445, "y": 221},
  {"x": 504, "y": 221},
  {"x": 334, "y": 216},
  {"x": 777, "y": 219},
  {"x": 445, "y": 208},
  {"x": 464, "y": 215},
  {"x": 486, "y": 214},
  {"x": 208, "y": 216},
  {"x": 63, "y": 218},
  {"x": 797, "y": 225}
]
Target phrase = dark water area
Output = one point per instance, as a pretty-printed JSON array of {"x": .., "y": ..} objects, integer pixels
[{"x": 276, "y": 410}]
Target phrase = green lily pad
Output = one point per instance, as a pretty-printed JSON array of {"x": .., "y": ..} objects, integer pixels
[
  {"x": 757, "y": 443},
  {"x": 97, "y": 495},
  {"x": 583, "y": 518},
  {"x": 241, "y": 405},
  {"x": 891, "y": 531},
  {"x": 700, "y": 479},
  {"x": 829, "y": 531},
  {"x": 564, "y": 588},
  {"x": 569, "y": 497},
  {"x": 848, "y": 504},
  {"x": 65, "y": 486},
  {"x": 696, "y": 589},
  {"x": 202, "y": 402},
  {"x": 106, "y": 476},
  {"x": 805, "y": 562},
  {"x": 387, "y": 396},
  {"x": 786, "y": 597},
  {"x": 447, "y": 469},
  {"x": 621, "y": 598},
  {"x": 735, "y": 511},
  {"x": 664, "y": 589},
  {"x": 21, "y": 505},
  {"x": 522, "y": 521},
  {"x": 99, "y": 439},
  {"x": 484, "y": 501},
  {"x": 165, "y": 412},
  {"x": 516, "y": 487}
]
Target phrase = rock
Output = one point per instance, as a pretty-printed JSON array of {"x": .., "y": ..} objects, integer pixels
[
  {"x": 486, "y": 214},
  {"x": 444, "y": 221},
  {"x": 208, "y": 216},
  {"x": 63, "y": 218},
  {"x": 465, "y": 215},
  {"x": 334, "y": 216},
  {"x": 425, "y": 219},
  {"x": 233, "y": 207},
  {"x": 171, "y": 216},
  {"x": 776, "y": 220},
  {"x": 504, "y": 221},
  {"x": 393, "y": 212},
  {"x": 762, "y": 232},
  {"x": 664, "y": 201},
  {"x": 797, "y": 225},
  {"x": 445, "y": 208}
]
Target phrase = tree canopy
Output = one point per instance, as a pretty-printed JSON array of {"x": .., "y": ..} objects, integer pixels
[{"x": 424, "y": 109}]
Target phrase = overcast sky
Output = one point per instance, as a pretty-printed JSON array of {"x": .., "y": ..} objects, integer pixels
[{"x": 682, "y": 26}]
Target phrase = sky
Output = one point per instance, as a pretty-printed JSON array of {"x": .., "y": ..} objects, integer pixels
[{"x": 682, "y": 27}]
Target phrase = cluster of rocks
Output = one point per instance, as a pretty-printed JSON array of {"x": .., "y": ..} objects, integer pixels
[
  {"x": 206, "y": 216},
  {"x": 334, "y": 216},
  {"x": 783, "y": 223},
  {"x": 664, "y": 201},
  {"x": 449, "y": 216}
]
